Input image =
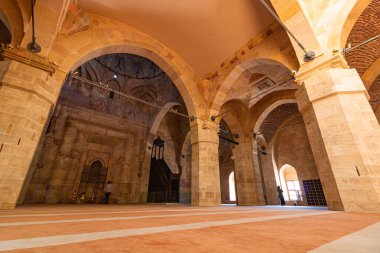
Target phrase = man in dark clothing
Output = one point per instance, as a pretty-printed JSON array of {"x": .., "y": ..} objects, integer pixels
[
  {"x": 281, "y": 195},
  {"x": 107, "y": 191}
]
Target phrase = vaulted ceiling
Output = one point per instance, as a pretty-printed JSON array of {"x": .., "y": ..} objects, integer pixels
[{"x": 203, "y": 32}]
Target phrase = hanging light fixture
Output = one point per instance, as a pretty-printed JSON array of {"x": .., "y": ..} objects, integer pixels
[{"x": 33, "y": 46}]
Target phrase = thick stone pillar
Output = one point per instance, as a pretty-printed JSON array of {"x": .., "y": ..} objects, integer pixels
[
  {"x": 344, "y": 136},
  {"x": 205, "y": 181},
  {"x": 27, "y": 94},
  {"x": 247, "y": 180}
]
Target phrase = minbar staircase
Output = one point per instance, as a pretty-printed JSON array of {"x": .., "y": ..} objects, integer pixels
[{"x": 163, "y": 183}]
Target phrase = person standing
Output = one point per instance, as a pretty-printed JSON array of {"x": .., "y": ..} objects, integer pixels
[
  {"x": 107, "y": 191},
  {"x": 82, "y": 198},
  {"x": 281, "y": 195}
]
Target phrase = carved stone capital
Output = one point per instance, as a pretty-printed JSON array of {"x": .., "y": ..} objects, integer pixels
[
  {"x": 320, "y": 64},
  {"x": 204, "y": 131},
  {"x": 22, "y": 55}
]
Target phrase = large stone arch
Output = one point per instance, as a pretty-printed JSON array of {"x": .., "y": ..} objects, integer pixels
[
  {"x": 74, "y": 50},
  {"x": 261, "y": 141},
  {"x": 269, "y": 109},
  {"x": 363, "y": 26},
  {"x": 13, "y": 16},
  {"x": 234, "y": 114},
  {"x": 154, "y": 128},
  {"x": 260, "y": 144},
  {"x": 260, "y": 107},
  {"x": 370, "y": 75},
  {"x": 235, "y": 110},
  {"x": 346, "y": 21},
  {"x": 224, "y": 87},
  {"x": 298, "y": 21}
]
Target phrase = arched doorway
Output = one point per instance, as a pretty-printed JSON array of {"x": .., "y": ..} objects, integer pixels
[
  {"x": 288, "y": 160},
  {"x": 290, "y": 184},
  {"x": 89, "y": 123},
  {"x": 231, "y": 183},
  {"x": 226, "y": 163},
  {"x": 92, "y": 182}
]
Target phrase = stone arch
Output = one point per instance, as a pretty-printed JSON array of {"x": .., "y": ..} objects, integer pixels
[
  {"x": 90, "y": 162},
  {"x": 296, "y": 17},
  {"x": 233, "y": 76},
  {"x": 283, "y": 178},
  {"x": 68, "y": 54},
  {"x": 261, "y": 106},
  {"x": 234, "y": 116},
  {"x": 92, "y": 180},
  {"x": 269, "y": 109},
  {"x": 345, "y": 22},
  {"x": 370, "y": 75},
  {"x": 155, "y": 125},
  {"x": 160, "y": 116},
  {"x": 97, "y": 164},
  {"x": 290, "y": 145},
  {"x": 14, "y": 17},
  {"x": 263, "y": 153},
  {"x": 365, "y": 59}
]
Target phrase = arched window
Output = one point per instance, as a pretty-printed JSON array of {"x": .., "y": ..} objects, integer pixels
[
  {"x": 92, "y": 182},
  {"x": 231, "y": 182},
  {"x": 290, "y": 183},
  {"x": 95, "y": 173}
]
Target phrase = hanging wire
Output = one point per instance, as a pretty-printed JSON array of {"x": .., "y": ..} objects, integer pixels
[
  {"x": 178, "y": 136},
  {"x": 348, "y": 49},
  {"x": 129, "y": 76},
  {"x": 309, "y": 55},
  {"x": 105, "y": 87},
  {"x": 33, "y": 46}
]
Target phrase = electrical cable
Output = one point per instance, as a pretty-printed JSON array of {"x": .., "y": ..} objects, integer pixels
[
  {"x": 309, "y": 55},
  {"x": 33, "y": 46},
  {"x": 347, "y": 50},
  {"x": 103, "y": 86},
  {"x": 129, "y": 76}
]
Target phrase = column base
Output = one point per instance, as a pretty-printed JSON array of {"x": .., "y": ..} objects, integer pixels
[{"x": 7, "y": 206}]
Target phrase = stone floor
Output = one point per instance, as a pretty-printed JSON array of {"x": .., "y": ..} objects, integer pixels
[{"x": 177, "y": 228}]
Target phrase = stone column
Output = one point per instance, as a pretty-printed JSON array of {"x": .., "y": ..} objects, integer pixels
[
  {"x": 344, "y": 136},
  {"x": 27, "y": 95},
  {"x": 205, "y": 181},
  {"x": 247, "y": 180}
]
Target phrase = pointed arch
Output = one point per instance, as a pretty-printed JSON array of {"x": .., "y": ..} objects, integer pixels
[
  {"x": 119, "y": 38},
  {"x": 225, "y": 86},
  {"x": 348, "y": 17}
]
